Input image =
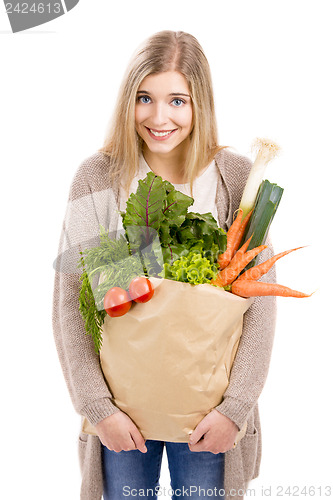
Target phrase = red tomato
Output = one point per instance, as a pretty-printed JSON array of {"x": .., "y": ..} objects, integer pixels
[
  {"x": 141, "y": 289},
  {"x": 117, "y": 302}
]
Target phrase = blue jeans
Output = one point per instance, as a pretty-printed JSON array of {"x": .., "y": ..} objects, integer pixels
[{"x": 193, "y": 475}]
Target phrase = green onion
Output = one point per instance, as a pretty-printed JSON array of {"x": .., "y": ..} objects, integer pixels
[{"x": 266, "y": 151}]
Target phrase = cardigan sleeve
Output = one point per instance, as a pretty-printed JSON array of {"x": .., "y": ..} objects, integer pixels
[
  {"x": 251, "y": 363},
  {"x": 89, "y": 392}
]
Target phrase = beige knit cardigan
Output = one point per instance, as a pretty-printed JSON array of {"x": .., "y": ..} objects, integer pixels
[{"x": 93, "y": 201}]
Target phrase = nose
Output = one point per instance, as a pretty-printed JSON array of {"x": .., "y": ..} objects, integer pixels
[{"x": 160, "y": 116}]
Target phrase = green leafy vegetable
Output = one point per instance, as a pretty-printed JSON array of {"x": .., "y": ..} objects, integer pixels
[
  {"x": 111, "y": 262},
  {"x": 191, "y": 268},
  {"x": 154, "y": 207},
  {"x": 92, "y": 317},
  {"x": 158, "y": 209},
  {"x": 109, "y": 251}
]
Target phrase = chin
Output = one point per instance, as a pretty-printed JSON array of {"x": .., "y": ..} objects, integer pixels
[
  {"x": 160, "y": 149},
  {"x": 163, "y": 147}
]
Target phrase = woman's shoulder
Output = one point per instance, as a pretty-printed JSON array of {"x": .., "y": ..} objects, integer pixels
[
  {"x": 234, "y": 169},
  {"x": 94, "y": 166},
  {"x": 91, "y": 175},
  {"x": 230, "y": 160}
]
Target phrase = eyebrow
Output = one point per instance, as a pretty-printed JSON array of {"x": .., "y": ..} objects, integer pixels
[{"x": 173, "y": 93}]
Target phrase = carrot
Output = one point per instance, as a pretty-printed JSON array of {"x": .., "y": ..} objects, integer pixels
[
  {"x": 239, "y": 254},
  {"x": 237, "y": 264},
  {"x": 251, "y": 288},
  {"x": 232, "y": 238},
  {"x": 242, "y": 230},
  {"x": 254, "y": 273}
]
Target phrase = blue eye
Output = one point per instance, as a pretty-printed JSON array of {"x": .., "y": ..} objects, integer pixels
[
  {"x": 144, "y": 99},
  {"x": 178, "y": 102}
]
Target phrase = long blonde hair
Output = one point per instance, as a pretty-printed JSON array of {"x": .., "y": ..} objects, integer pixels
[{"x": 164, "y": 51}]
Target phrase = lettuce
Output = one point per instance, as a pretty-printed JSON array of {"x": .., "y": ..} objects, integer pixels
[{"x": 193, "y": 268}]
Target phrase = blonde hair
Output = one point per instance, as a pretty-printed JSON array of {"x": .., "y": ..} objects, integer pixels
[{"x": 164, "y": 51}]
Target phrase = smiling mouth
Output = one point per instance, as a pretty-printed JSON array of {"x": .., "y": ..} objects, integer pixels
[{"x": 160, "y": 133}]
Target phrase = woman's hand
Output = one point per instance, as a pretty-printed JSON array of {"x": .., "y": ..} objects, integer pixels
[
  {"x": 118, "y": 432},
  {"x": 215, "y": 433}
]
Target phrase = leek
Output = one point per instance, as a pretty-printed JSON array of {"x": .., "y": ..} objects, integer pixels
[
  {"x": 266, "y": 150},
  {"x": 266, "y": 203}
]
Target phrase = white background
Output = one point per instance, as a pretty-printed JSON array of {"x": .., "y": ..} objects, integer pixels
[{"x": 271, "y": 66}]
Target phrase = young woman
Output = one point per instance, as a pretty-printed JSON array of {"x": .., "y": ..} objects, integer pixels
[{"x": 164, "y": 122}]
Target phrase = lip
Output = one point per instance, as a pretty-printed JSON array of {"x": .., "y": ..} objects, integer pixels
[{"x": 160, "y": 138}]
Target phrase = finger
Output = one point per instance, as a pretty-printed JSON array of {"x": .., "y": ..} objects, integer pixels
[
  {"x": 128, "y": 444},
  {"x": 198, "y": 433},
  {"x": 201, "y": 446},
  {"x": 138, "y": 439}
]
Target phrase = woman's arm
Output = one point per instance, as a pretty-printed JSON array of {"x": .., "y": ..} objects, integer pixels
[
  {"x": 251, "y": 364},
  {"x": 87, "y": 208},
  {"x": 80, "y": 364},
  {"x": 91, "y": 203},
  {"x": 247, "y": 378}
]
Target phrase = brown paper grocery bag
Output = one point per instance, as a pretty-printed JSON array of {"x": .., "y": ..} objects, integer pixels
[{"x": 168, "y": 361}]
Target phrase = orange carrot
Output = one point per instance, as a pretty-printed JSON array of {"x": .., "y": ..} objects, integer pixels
[
  {"x": 224, "y": 259},
  {"x": 242, "y": 230},
  {"x": 239, "y": 254},
  {"x": 234, "y": 237},
  {"x": 237, "y": 264},
  {"x": 254, "y": 273},
  {"x": 251, "y": 288}
]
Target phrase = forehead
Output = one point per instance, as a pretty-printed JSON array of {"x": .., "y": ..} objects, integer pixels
[{"x": 169, "y": 82}]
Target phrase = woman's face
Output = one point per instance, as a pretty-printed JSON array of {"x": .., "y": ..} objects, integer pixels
[{"x": 163, "y": 113}]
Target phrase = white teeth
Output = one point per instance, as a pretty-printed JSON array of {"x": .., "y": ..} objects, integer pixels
[{"x": 160, "y": 134}]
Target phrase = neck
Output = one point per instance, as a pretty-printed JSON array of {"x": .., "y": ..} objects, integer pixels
[{"x": 169, "y": 166}]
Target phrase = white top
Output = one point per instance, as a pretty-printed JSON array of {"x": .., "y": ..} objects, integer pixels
[{"x": 204, "y": 190}]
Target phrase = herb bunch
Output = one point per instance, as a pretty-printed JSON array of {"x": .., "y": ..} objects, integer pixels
[
  {"x": 92, "y": 317},
  {"x": 111, "y": 263}
]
